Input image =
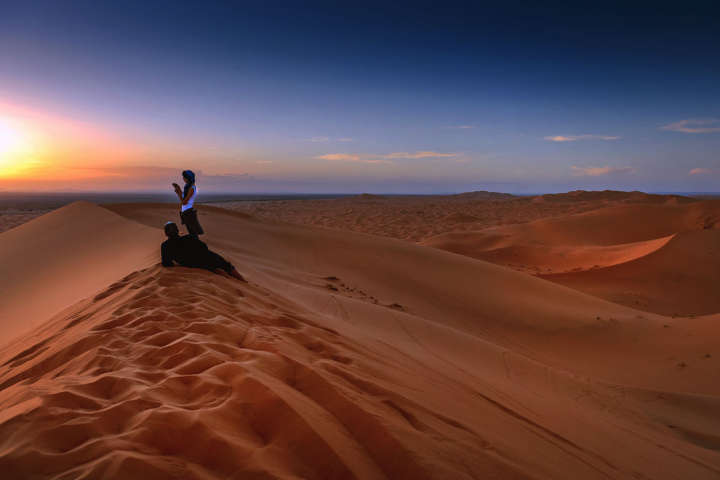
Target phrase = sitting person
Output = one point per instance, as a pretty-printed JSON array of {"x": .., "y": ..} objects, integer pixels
[{"x": 190, "y": 251}]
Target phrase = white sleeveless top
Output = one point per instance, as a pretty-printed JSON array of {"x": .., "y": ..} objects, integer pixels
[{"x": 191, "y": 200}]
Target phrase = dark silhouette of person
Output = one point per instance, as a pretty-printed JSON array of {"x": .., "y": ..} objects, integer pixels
[{"x": 190, "y": 251}]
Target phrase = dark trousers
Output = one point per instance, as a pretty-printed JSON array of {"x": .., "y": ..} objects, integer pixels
[
  {"x": 216, "y": 261},
  {"x": 190, "y": 220}
]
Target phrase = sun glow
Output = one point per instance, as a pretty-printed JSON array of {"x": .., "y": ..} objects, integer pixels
[{"x": 17, "y": 149}]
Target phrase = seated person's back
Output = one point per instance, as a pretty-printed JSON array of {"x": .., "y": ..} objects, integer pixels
[
  {"x": 186, "y": 250},
  {"x": 190, "y": 251}
]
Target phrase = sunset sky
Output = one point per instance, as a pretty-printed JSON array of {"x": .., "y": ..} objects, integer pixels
[{"x": 384, "y": 97}]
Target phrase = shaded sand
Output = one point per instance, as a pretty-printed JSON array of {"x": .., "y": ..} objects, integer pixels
[
  {"x": 57, "y": 259},
  {"x": 353, "y": 356}
]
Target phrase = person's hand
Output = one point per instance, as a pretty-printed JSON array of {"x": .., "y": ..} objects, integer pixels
[{"x": 176, "y": 187}]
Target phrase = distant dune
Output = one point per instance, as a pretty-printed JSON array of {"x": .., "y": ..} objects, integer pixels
[
  {"x": 662, "y": 257},
  {"x": 613, "y": 196},
  {"x": 346, "y": 356},
  {"x": 412, "y": 217}
]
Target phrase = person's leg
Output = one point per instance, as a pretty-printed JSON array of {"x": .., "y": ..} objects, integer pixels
[
  {"x": 194, "y": 222},
  {"x": 217, "y": 262},
  {"x": 190, "y": 220}
]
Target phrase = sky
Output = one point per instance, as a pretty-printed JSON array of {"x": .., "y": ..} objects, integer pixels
[{"x": 379, "y": 97}]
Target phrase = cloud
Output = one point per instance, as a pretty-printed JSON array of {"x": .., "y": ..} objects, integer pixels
[
  {"x": 700, "y": 171},
  {"x": 573, "y": 138},
  {"x": 423, "y": 154},
  {"x": 694, "y": 125},
  {"x": 329, "y": 139},
  {"x": 346, "y": 157},
  {"x": 600, "y": 171},
  {"x": 263, "y": 162},
  {"x": 461, "y": 127},
  {"x": 384, "y": 159}
]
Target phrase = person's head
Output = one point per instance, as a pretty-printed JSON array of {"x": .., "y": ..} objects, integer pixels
[
  {"x": 171, "y": 230},
  {"x": 188, "y": 176}
]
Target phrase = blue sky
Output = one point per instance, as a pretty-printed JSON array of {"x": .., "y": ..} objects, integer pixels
[{"x": 378, "y": 97}]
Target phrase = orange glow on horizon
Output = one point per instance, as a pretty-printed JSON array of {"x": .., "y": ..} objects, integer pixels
[{"x": 36, "y": 145}]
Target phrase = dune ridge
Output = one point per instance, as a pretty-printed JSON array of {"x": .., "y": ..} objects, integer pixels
[
  {"x": 659, "y": 257},
  {"x": 351, "y": 356}
]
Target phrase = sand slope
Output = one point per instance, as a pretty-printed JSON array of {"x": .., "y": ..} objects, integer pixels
[
  {"x": 351, "y": 356},
  {"x": 660, "y": 257},
  {"x": 509, "y": 250},
  {"x": 681, "y": 278},
  {"x": 55, "y": 260}
]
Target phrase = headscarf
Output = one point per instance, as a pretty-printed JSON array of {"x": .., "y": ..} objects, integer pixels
[{"x": 190, "y": 176}]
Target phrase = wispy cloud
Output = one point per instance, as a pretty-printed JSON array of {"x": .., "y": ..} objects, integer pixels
[
  {"x": 600, "y": 171},
  {"x": 263, "y": 162},
  {"x": 345, "y": 157},
  {"x": 694, "y": 125},
  {"x": 329, "y": 139},
  {"x": 700, "y": 171},
  {"x": 386, "y": 158},
  {"x": 423, "y": 154},
  {"x": 573, "y": 138},
  {"x": 460, "y": 127}
]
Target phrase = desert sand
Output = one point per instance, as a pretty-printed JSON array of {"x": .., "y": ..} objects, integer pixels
[
  {"x": 350, "y": 355},
  {"x": 657, "y": 253}
]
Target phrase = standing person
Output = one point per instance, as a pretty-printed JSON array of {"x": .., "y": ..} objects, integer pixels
[{"x": 188, "y": 214}]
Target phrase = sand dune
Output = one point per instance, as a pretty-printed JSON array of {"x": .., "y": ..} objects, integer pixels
[
  {"x": 412, "y": 218},
  {"x": 618, "y": 224},
  {"x": 659, "y": 257},
  {"x": 65, "y": 256},
  {"x": 417, "y": 218},
  {"x": 538, "y": 258},
  {"x": 349, "y": 356},
  {"x": 681, "y": 278}
]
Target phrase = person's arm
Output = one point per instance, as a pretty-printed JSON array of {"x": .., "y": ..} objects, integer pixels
[
  {"x": 178, "y": 191},
  {"x": 167, "y": 260}
]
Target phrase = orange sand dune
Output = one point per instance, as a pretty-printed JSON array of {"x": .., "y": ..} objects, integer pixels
[
  {"x": 681, "y": 278},
  {"x": 351, "y": 356},
  {"x": 538, "y": 258},
  {"x": 619, "y": 224},
  {"x": 661, "y": 258},
  {"x": 417, "y": 218},
  {"x": 64, "y": 256}
]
